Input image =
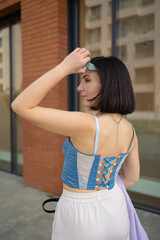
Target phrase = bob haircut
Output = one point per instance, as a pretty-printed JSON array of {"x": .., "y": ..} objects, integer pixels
[{"x": 116, "y": 94}]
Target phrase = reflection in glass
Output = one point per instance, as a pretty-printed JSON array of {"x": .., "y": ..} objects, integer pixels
[
  {"x": 95, "y": 53},
  {"x": 1, "y": 73},
  {"x": 17, "y": 82},
  {"x": 144, "y": 49},
  {"x": 144, "y": 101},
  {"x": 127, "y": 4},
  {"x": 1, "y": 40},
  {"x": 122, "y": 50},
  {"x": 109, "y": 8},
  {"x": 1, "y": 58},
  {"x": 144, "y": 75},
  {"x": 5, "y": 151},
  {"x": 144, "y": 24},
  {"x": 123, "y": 28},
  {"x": 94, "y": 13},
  {"x": 123, "y": 4},
  {"x": 138, "y": 44},
  {"x": 137, "y": 48},
  {"x": 5, "y": 91},
  {"x": 147, "y": 2},
  {"x": 94, "y": 35}
]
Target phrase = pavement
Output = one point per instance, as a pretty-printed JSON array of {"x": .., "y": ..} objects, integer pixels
[{"x": 22, "y": 217}]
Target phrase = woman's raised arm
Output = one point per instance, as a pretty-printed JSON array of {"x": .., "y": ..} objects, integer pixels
[{"x": 61, "y": 122}]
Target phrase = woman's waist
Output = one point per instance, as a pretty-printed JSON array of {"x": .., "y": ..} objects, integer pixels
[
  {"x": 78, "y": 190},
  {"x": 81, "y": 195}
]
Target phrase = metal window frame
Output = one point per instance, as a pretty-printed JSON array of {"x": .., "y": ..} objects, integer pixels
[
  {"x": 115, "y": 27},
  {"x": 73, "y": 42}
]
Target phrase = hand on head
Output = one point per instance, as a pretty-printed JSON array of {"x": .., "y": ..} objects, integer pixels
[{"x": 76, "y": 60}]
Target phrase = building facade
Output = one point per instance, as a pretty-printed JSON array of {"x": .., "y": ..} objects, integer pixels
[{"x": 34, "y": 37}]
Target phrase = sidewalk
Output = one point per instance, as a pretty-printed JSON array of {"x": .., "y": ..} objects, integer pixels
[{"x": 22, "y": 217}]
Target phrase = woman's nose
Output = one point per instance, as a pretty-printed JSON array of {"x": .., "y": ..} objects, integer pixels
[{"x": 80, "y": 88}]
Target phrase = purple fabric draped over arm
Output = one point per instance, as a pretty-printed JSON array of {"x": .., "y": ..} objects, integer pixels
[{"x": 137, "y": 232}]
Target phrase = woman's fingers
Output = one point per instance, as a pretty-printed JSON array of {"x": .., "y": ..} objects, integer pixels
[
  {"x": 82, "y": 70},
  {"x": 77, "y": 49},
  {"x": 76, "y": 60},
  {"x": 86, "y": 54},
  {"x": 87, "y": 59},
  {"x": 83, "y": 51}
]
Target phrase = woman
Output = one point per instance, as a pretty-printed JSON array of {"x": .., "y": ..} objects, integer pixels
[{"x": 92, "y": 205}]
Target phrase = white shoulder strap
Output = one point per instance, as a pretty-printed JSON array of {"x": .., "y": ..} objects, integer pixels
[{"x": 97, "y": 136}]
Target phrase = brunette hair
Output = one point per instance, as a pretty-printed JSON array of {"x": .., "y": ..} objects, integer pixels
[{"x": 116, "y": 94}]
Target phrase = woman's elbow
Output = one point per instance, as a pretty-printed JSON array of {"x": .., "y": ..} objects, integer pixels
[
  {"x": 132, "y": 182},
  {"x": 14, "y": 106}
]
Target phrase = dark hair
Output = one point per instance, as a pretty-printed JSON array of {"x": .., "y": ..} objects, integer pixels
[{"x": 116, "y": 94}]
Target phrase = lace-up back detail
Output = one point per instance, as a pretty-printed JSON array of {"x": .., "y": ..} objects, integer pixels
[
  {"x": 107, "y": 171},
  {"x": 109, "y": 167},
  {"x": 87, "y": 171}
]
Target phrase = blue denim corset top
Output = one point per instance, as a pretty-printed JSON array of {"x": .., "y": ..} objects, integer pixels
[{"x": 80, "y": 170}]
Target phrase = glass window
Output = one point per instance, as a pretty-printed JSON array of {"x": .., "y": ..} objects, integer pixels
[
  {"x": 0, "y": 57},
  {"x": 144, "y": 49},
  {"x": 5, "y": 151},
  {"x": 0, "y": 42},
  {"x": 142, "y": 60},
  {"x": 138, "y": 41},
  {"x": 144, "y": 75},
  {"x": 109, "y": 8},
  {"x": 147, "y": 2},
  {"x": 123, "y": 28},
  {"x": 122, "y": 50},
  {"x": 144, "y": 24},
  {"x": 5, "y": 92},
  {"x": 94, "y": 13},
  {"x": 95, "y": 53},
  {"x": 144, "y": 101},
  {"x": 1, "y": 73},
  {"x": 17, "y": 78},
  {"x": 94, "y": 35},
  {"x": 127, "y": 3}
]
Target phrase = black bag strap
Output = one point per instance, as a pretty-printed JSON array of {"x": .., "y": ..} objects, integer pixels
[{"x": 49, "y": 200}]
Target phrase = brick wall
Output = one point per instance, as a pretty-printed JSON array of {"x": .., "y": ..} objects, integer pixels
[{"x": 44, "y": 45}]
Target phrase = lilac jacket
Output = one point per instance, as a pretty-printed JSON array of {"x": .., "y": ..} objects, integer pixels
[{"x": 137, "y": 232}]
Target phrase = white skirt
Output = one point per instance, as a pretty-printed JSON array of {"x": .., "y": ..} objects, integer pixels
[{"x": 100, "y": 215}]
